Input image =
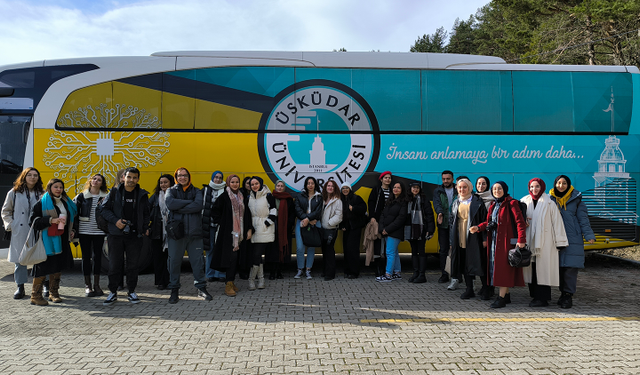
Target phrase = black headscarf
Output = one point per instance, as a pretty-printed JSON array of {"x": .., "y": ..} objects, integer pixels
[
  {"x": 556, "y": 192},
  {"x": 244, "y": 191},
  {"x": 486, "y": 179},
  {"x": 261, "y": 181},
  {"x": 505, "y": 188}
]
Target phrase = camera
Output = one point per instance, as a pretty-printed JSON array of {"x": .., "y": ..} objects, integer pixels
[
  {"x": 492, "y": 225},
  {"x": 127, "y": 227}
]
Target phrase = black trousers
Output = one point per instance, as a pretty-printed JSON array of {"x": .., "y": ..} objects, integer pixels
[
  {"x": 118, "y": 246},
  {"x": 160, "y": 268},
  {"x": 568, "y": 279},
  {"x": 417, "y": 248},
  {"x": 443, "y": 241},
  {"x": 351, "y": 249},
  {"x": 91, "y": 250},
  {"x": 230, "y": 274},
  {"x": 257, "y": 251},
  {"x": 329, "y": 256},
  {"x": 536, "y": 291}
]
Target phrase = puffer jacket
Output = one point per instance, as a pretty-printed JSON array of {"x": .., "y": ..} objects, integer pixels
[
  {"x": 578, "y": 229},
  {"x": 332, "y": 214},
  {"x": 262, "y": 207},
  {"x": 186, "y": 206},
  {"x": 302, "y": 204},
  {"x": 393, "y": 218}
]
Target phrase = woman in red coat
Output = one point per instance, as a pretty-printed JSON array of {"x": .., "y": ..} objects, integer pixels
[{"x": 503, "y": 222}]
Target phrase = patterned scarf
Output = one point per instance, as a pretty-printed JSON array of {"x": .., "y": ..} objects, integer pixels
[
  {"x": 237, "y": 206},
  {"x": 53, "y": 244}
]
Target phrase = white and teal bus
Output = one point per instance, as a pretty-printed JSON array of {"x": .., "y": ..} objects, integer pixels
[{"x": 334, "y": 115}]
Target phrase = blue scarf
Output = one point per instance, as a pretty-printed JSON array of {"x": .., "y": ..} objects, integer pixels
[{"x": 53, "y": 244}]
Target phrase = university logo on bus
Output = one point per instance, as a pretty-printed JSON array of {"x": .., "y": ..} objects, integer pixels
[{"x": 321, "y": 129}]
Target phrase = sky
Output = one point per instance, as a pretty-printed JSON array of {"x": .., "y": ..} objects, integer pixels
[{"x": 33, "y": 30}]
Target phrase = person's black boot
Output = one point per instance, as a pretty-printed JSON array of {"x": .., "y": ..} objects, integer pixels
[
  {"x": 416, "y": 268},
  {"x": 498, "y": 303},
  {"x": 487, "y": 291},
  {"x": 567, "y": 303},
  {"x": 19, "y": 294},
  {"x": 174, "y": 296},
  {"x": 563, "y": 295},
  {"x": 468, "y": 293}
]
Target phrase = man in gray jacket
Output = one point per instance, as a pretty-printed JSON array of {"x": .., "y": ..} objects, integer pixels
[{"x": 184, "y": 202}]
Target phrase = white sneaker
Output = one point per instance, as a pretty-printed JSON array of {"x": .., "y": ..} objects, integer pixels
[
  {"x": 298, "y": 275},
  {"x": 454, "y": 284},
  {"x": 309, "y": 275}
]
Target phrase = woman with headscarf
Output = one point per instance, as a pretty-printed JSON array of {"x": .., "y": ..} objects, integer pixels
[
  {"x": 53, "y": 210},
  {"x": 262, "y": 208},
  {"x": 545, "y": 235},
  {"x": 245, "y": 263},
  {"x": 483, "y": 190},
  {"x": 377, "y": 199},
  {"x": 467, "y": 211},
  {"x": 16, "y": 211},
  {"x": 308, "y": 212},
  {"x": 280, "y": 254},
  {"x": 354, "y": 218},
  {"x": 158, "y": 234},
  {"x": 576, "y": 224},
  {"x": 507, "y": 228},
  {"x": 419, "y": 227},
  {"x": 210, "y": 193},
  {"x": 228, "y": 213}
]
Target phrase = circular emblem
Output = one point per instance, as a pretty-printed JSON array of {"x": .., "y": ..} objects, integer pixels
[{"x": 321, "y": 129}]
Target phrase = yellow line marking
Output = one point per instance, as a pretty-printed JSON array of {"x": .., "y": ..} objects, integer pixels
[{"x": 454, "y": 320}]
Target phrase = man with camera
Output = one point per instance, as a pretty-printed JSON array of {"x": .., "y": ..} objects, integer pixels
[{"x": 126, "y": 209}]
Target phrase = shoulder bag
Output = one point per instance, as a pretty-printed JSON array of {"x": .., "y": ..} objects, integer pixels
[
  {"x": 311, "y": 236},
  {"x": 33, "y": 251}
]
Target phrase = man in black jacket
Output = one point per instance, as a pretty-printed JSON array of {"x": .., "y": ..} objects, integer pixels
[
  {"x": 126, "y": 209},
  {"x": 443, "y": 197}
]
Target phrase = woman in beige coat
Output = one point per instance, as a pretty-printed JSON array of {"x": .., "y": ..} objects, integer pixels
[{"x": 545, "y": 234}]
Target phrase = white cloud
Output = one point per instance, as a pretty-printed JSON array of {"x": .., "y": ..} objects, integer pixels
[{"x": 37, "y": 30}]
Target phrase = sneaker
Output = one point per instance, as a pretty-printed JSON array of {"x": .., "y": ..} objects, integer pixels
[
  {"x": 202, "y": 293},
  {"x": 454, "y": 284},
  {"x": 133, "y": 297},
  {"x": 111, "y": 299},
  {"x": 384, "y": 279},
  {"x": 396, "y": 276},
  {"x": 309, "y": 275},
  {"x": 298, "y": 275}
]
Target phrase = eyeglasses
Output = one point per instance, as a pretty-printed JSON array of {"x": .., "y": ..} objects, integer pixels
[{"x": 182, "y": 175}]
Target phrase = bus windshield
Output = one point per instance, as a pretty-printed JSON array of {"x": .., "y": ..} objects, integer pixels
[{"x": 13, "y": 142}]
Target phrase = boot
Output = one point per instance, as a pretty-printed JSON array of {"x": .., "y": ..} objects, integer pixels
[
  {"x": 229, "y": 289},
  {"x": 96, "y": 286},
  {"x": 54, "y": 288},
  {"x": 416, "y": 268},
  {"x": 499, "y": 303},
  {"x": 174, "y": 298},
  {"x": 563, "y": 295},
  {"x": 19, "y": 294},
  {"x": 567, "y": 303},
  {"x": 252, "y": 277},
  {"x": 88, "y": 290},
  {"x": 468, "y": 293},
  {"x": 261, "y": 276},
  {"x": 421, "y": 271},
  {"x": 36, "y": 292},
  {"x": 486, "y": 291},
  {"x": 45, "y": 289},
  {"x": 379, "y": 267}
]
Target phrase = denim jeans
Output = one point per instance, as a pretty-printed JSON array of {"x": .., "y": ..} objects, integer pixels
[
  {"x": 209, "y": 272},
  {"x": 393, "y": 256},
  {"x": 311, "y": 251},
  {"x": 20, "y": 274}
]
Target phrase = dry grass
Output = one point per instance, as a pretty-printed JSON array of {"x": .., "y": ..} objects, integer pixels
[{"x": 632, "y": 252}]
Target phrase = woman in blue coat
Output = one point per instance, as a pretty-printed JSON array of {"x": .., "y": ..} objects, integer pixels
[{"x": 576, "y": 224}]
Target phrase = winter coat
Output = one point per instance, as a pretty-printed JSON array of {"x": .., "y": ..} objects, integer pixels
[
  {"x": 477, "y": 215},
  {"x": 302, "y": 204},
  {"x": 428, "y": 222},
  {"x": 112, "y": 206},
  {"x": 376, "y": 202},
  {"x": 545, "y": 235},
  {"x": 442, "y": 205},
  {"x": 393, "y": 218},
  {"x": 208, "y": 227},
  {"x": 332, "y": 214},
  {"x": 503, "y": 274},
  {"x": 578, "y": 229},
  {"x": 354, "y": 219},
  {"x": 370, "y": 236},
  {"x": 156, "y": 224},
  {"x": 16, "y": 219},
  {"x": 186, "y": 206},
  {"x": 59, "y": 262},
  {"x": 262, "y": 207},
  {"x": 84, "y": 201},
  {"x": 222, "y": 216}
]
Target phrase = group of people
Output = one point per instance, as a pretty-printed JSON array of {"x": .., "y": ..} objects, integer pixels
[{"x": 243, "y": 227}]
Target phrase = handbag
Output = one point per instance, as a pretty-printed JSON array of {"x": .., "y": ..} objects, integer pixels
[
  {"x": 33, "y": 251},
  {"x": 175, "y": 229},
  {"x": 311, "y": 236},
  {"x": 53, "y": 231},
  {"x": 519, "y": 257}
]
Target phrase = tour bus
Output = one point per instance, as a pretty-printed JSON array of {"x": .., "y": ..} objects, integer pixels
[{"x": 333, "y": 115}]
